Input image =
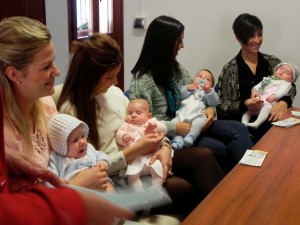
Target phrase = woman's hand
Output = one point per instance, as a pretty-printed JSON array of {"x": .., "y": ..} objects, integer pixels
[
  {"x": 164, "y": 155},
  {"x": 110, "y": 188},
  {"x": 145, "y": 145},
  {"x": 24, "y": 172},
  {"x": 149, "y": 142},
  {"x": 277, "y": 111},
  {"x": 101, "y": 211},
  {"x": 183, "y": 128},
  {"x": 92, "y": 178},
  {"x": 210, "y": 114}
]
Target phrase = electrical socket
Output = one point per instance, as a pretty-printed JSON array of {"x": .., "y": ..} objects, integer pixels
[{"x": 140, "y": 23}]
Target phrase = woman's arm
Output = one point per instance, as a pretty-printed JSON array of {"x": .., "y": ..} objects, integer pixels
[
  {"x": 210, "y": 113},
  {"x": 164, "y": 155},
  {"x": 58, "y": 206},
  {"x": 23, "y": 171},
  {"x": 62, "y": 206},
  {"x": 284, "y": 103},
  {"x": 228, "y": 91}
]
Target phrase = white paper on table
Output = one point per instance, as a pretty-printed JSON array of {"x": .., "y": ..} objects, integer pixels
[
  {"x": 289, "y": 122},
  {"x": 295, "y": 113},
  {"x": 253, "y": 158}
]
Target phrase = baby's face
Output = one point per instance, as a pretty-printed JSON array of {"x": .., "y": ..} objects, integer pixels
[
  {"x": 77, "y": 144},
  {"x": 284, "y": 72},
  {"x": 137, "y": 113},
  {"x": 204, "y": 75}
]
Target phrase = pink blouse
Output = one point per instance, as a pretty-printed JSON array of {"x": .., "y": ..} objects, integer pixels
[{"x": 40, "y": 143}]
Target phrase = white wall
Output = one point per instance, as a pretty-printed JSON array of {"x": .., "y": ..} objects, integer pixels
[
  {"x": 209, "y": 40},
  {"x": 57, "y": 22}
]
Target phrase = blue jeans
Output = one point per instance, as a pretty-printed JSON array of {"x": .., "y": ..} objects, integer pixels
[{"x": 227, "y": 138}]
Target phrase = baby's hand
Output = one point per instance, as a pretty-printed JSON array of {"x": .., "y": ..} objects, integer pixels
[
  {"x": 206, "y": 88},
  {"x": 192, "y": 87},
  {"x": 103, "y": 165},
  {"x": 271, "y": 98},
  {"x": 128, "y": 139},
  {"x": 150, "y": 127}
]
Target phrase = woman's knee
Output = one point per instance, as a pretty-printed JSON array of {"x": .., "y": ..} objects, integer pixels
[
  {"x": 212, "y": 143},
  {"x": 189, "y": 158}
]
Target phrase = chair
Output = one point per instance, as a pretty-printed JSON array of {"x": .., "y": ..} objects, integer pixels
[{"x": 126, "y": 93}]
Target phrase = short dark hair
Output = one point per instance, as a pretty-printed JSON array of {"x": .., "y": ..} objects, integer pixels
[{"x": 245, "y": 25}]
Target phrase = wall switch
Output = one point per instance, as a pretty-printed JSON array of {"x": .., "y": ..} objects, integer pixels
[{"x": 140, "y": 23}]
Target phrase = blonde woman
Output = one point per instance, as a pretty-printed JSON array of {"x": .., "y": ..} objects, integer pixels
[{"x": 27, "y": 75}]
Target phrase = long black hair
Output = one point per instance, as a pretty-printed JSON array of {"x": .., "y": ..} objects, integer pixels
[{"x": 158, "y": 52}]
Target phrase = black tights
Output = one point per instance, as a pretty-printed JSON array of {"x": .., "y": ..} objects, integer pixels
[{"x": 196, "y": 173}]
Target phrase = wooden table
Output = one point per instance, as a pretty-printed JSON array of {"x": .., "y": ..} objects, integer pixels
[{"x": 269, "y": 194}]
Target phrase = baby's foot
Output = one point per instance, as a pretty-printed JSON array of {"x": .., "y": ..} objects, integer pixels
[
  {"x": 178, "y": 142},
  {"x": 189, "y": 140}
]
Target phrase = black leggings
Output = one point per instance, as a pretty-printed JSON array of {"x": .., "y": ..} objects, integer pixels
[{"x": 196, "y": 173}]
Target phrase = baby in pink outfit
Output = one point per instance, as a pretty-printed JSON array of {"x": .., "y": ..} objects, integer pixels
[
  {"x": 269, "y": 91},
  {"x": 139, "y": 121}
]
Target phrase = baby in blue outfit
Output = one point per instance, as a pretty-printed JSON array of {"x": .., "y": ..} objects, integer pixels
[{"x": 71, "y": 153}]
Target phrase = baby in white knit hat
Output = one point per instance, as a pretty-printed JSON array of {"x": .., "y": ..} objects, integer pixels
[
  {"x": 71, "y": 153},
  {"x": 269, "y": 91}
]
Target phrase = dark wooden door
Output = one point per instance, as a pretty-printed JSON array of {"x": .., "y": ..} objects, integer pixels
[{"x": 31, "y": 8}]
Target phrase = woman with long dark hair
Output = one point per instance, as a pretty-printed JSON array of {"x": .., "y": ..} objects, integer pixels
[
  {"x": 90, "y": 94},
  {"x": 158, "y": 76}
]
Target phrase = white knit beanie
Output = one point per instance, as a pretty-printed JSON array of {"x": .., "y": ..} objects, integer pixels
[
  {"x": 294, "y": 68},
  {"x": 60, "y": 127}
]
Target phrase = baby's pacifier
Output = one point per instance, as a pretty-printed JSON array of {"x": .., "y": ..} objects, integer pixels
[{"x": 201, "y": 81}]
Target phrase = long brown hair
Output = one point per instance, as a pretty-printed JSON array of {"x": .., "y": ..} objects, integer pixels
[{"x": 92, "y": 58}]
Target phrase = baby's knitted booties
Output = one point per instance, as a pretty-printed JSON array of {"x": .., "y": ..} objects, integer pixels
[
  {"x": 177, "y": 142},
  {"x": 189, "y": 140}
]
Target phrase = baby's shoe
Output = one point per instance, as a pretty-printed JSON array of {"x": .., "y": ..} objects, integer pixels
[
  {"x": 177, "y": 142},
  {"x": 189, "y": 140}
]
